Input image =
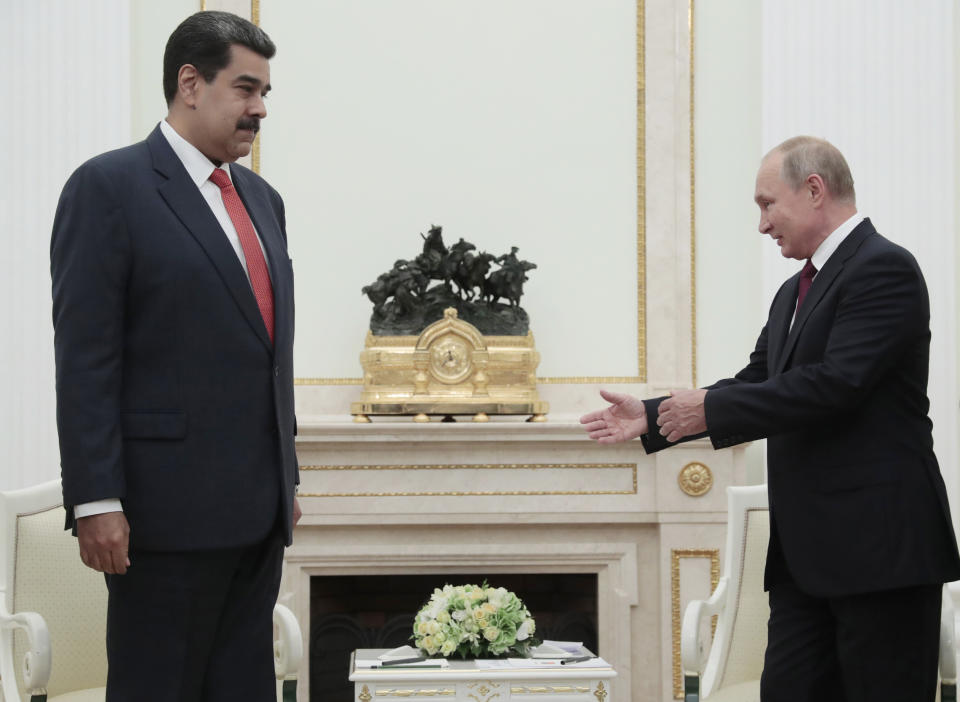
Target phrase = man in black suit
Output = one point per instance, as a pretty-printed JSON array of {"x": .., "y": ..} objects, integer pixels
[
  {"x": 173, "y": 318},
  {"x": 860, "y": 533}
]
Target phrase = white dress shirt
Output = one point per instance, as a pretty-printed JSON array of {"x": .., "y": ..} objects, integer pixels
[
  {"x": 199, "y": 168},
  {"x": 829, "y": 245}
]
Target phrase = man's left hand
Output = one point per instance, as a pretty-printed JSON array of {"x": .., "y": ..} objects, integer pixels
[
  {"x": 297, "y": 512},
  {"x": 683, "y": 414}
]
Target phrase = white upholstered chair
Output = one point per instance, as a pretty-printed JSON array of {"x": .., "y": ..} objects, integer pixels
[
  {"x": 728, "y": 668},
  {"x": 53, "y": 609}
]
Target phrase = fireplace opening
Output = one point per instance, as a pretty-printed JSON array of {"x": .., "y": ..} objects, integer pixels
[{"x": 348, "y": 612}]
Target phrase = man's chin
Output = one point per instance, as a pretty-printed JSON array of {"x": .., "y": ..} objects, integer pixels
[{"x": 241, "y": 149}]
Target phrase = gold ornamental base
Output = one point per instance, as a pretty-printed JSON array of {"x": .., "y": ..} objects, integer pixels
[{"x": 450, "y": 369}]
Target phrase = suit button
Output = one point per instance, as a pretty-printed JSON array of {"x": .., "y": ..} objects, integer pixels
[{"x": 276, "y": 371}]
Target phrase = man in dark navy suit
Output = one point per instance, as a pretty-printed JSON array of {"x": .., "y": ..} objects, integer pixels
[
  {"x": 860, "y": 533},
  {"x": 173, "y": 318}
]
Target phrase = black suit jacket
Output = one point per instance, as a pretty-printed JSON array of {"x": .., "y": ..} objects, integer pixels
[
  {"x": 170, "y": 395},
  {"x": 857, "y": 502}
]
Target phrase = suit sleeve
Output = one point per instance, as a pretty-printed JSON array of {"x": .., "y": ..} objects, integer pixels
[
  {"x": 754, "y": 372},
  {"x": 882, "y": 309},
  {"x": 89, "y": 265}
]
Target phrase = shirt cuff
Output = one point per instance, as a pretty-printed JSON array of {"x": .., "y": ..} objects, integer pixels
[{"x": 88, "y": 509}]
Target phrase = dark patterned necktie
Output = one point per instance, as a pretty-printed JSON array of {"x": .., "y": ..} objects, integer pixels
[{"x": 806, "y": 278}]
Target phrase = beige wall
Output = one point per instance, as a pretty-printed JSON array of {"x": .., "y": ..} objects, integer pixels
[
  {"x": 731, "y": 308},
  {"x": 150, "y": 25}
]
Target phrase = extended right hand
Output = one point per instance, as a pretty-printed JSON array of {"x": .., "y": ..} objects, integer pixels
[
  {"x": 624, "y": 419},
  {"x": 104, "y": 540}
]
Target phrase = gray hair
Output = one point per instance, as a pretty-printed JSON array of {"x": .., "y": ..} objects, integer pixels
[{"x": 805, "y": 155}]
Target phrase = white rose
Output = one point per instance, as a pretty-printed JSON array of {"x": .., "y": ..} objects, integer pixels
[{"x": 523, "y": 633}]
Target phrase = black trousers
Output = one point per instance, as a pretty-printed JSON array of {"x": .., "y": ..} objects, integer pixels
[
  {"x": 194, "y": 626},
  {"x": 876, "y": 647}
]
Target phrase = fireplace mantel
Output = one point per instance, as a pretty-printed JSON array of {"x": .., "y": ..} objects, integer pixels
[{"x": 395, "y": 497}]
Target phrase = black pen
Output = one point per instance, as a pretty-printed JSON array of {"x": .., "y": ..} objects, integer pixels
[
  {"x": 578, "y": 659},
  {"x": 401, "y": 661}
]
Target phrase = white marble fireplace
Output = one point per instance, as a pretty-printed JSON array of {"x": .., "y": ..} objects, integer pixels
[{"x": 514, "y": 497}]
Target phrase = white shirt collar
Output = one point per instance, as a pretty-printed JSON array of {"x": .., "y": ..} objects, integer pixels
[
  {"x": 198, "y": 166},
  {"x": 830, "y": 244}
]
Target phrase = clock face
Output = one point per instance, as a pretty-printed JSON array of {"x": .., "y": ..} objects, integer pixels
[{"x": 451, "y": 359}]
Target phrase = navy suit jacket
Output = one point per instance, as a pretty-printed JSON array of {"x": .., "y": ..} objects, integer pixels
[
  {"x": 857, "y": 502},
  {"x": 170, "y": 395}
]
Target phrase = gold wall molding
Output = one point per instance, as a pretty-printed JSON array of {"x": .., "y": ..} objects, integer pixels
[
  {"x": 430, "y": 692},
  {"x": 548, "y": 689},
  {"x": 641, "y": 200},
  {"x": 693, "y": 208},
  {"x": 695, "y": 479},
  {"x": 476, "y": 466},
  {"x": 675, "y": 614}
]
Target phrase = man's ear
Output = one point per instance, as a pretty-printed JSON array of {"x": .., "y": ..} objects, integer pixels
[
  {"x": 188, "y": 80},
  {"x": 816, "y": 188}
]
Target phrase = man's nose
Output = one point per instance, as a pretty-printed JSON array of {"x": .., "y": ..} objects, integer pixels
[{"x": 259, "y": 108}]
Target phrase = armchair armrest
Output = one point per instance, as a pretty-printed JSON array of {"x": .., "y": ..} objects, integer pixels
[
  {"x": 35, "y": 666},
  {"x": 288, "y": 646},
  {"x": 692, "y": 650},
  {"x": 948, "y": 643}
]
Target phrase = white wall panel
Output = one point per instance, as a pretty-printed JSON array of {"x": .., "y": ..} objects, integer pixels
[
  {"x": 877, "y": 80},
  {"x": 509, "y": 123},
  {"x": 68, "y": 63}
]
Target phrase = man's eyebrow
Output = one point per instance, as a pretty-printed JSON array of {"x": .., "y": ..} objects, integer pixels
[{"x": 245, "y": 78}]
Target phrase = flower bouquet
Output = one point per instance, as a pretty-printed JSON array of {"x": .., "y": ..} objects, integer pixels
[{"x": 474, "y": 622}]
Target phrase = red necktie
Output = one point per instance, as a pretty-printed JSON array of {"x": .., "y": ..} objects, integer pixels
[
  {"x": 806, "y": 278},
  {"x": 256, "y": 265}
]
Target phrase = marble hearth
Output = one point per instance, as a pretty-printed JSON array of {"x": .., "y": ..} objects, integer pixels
[{"x": 398, "y": 498}]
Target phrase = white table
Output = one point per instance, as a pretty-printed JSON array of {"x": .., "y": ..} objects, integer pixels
[{"x": 463, "y": 680}]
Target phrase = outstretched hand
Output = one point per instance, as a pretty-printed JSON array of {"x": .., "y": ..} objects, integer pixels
[{"x": 624, "y": 419}]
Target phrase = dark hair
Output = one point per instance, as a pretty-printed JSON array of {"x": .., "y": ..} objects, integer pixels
[{"x": 204, "y": 40}]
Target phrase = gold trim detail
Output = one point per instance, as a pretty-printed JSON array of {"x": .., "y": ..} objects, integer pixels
[
  {"x": 601, "y": 692},
  {"x": 641, "y": 196},
  {"x": 675, "y": 615},
  {"x": 444, "y": 692},
  {"x": 477, "y": 466},
  {"x": 693, "y": 212},
  {"x": 255, "y": 153},
  {"x": 365, "y": 695},
  {"x": 548, "y": 689},
  {"x": 695, "y": 479},
  {"x": 328, "y": 381},
  {"x": 487, "y": 690}
]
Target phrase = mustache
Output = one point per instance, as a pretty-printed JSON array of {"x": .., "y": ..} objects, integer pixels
[{"x": 251, "y": 123}]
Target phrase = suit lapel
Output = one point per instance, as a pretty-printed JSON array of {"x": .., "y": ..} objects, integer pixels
[
  {"x": 183, "y": 197},
  {"x": 821, "y": 284},
  {"x": 779, "y": 322}
]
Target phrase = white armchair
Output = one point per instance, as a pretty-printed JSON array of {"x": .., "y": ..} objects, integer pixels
[
  {"x": 53, "y": 609},
  {"x": 727, "y": 669}
]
